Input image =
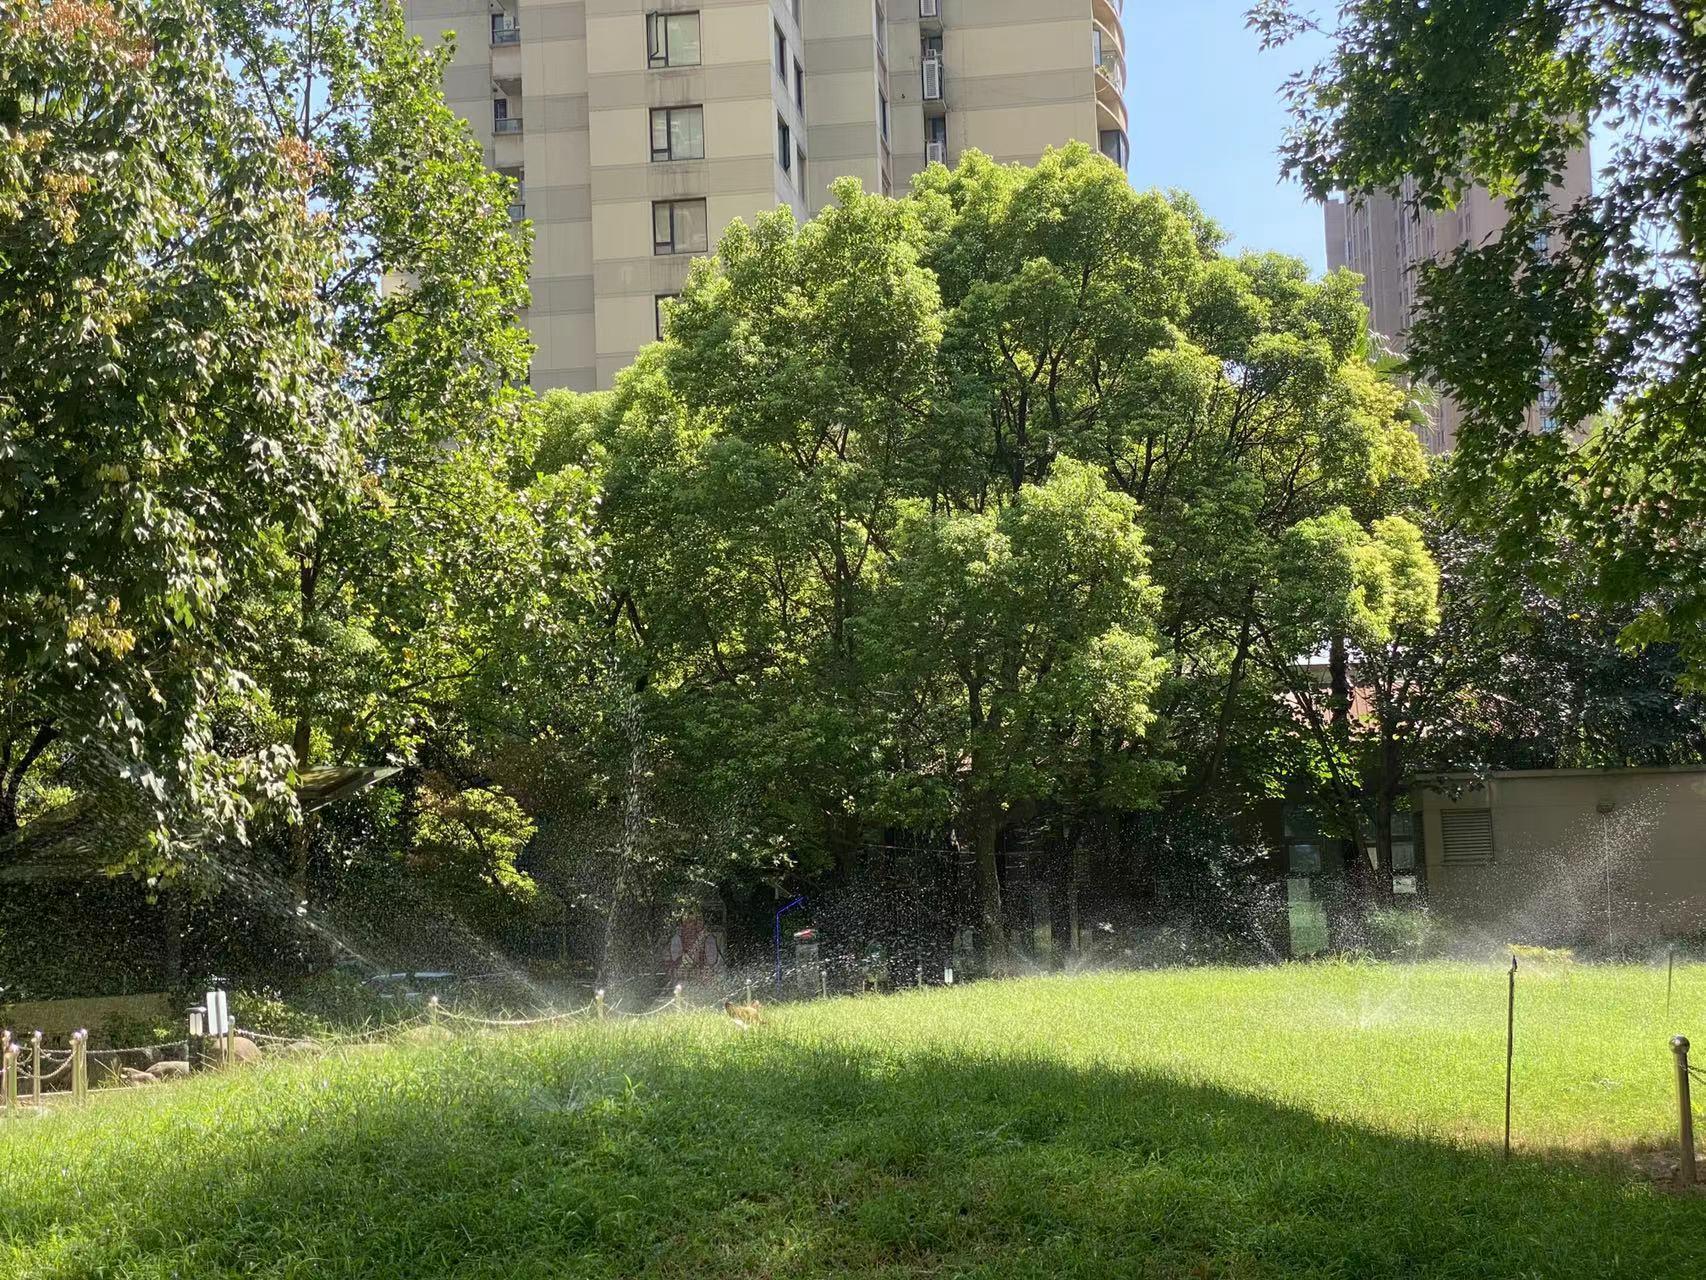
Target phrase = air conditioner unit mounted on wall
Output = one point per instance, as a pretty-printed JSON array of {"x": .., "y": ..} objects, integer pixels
[
  {"x": 936, "y": 152},
  {"x": 929, "y": 8},
  {"x": 932, "y": 79}
]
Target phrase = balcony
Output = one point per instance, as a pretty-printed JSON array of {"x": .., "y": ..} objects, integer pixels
[
  {"x": 936, "y": 153},
  {"x": 502, "y": 35},
  {"x": 1110, "y": 59},
  {"x": 508, "y": 125},
  {"x": 1110, "y": 13}
]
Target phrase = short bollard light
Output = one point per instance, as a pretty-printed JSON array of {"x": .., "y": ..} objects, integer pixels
[
  {"x": 432, "y": 1012},
  {"x": 679, "y": 1004},
  {"x": 35, "y": 1070},
  {"x": 196, "y": 1049},
  {"x": 9, "y": 1068},
  {"x": 598, "y": 999},
  {"x": 1685, "y": 1111}
]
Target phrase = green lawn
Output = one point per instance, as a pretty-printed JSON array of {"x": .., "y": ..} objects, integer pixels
[{"x": 1303, "y": 1121}]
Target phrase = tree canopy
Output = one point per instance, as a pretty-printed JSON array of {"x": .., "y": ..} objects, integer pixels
[{"x": 1597, "y": 304}]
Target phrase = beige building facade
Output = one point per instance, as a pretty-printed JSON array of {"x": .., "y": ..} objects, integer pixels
[
  {"x": 1384, "y": 237},
  {"x": 1567, "y": 856},
  {"x": 638, "y": 130}
]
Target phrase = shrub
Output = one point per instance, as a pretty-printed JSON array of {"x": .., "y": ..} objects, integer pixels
[{"x": 1399, "y": 933}]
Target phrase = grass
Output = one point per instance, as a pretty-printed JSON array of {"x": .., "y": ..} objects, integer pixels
[{"x": 1335, "y": 1121}]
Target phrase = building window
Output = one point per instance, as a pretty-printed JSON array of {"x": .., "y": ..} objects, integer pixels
[
  {"x": 883, "y": 113},
  {"x": 672, "y": 39},
  {"x": 1113, "y": 145},
  {"x": 882, "y": 27},
  {"x": 660, "y": 307},
  {"x": 799, "y": 86},
  {"x": 506, "y": 29},
  {"x": 678, "y": 133},
  {"x": 680, "y": 226},
  {"x": 800, "y": 167},
  {"x": 784, "y": 145},
  {"x": 782, "y": 54}
]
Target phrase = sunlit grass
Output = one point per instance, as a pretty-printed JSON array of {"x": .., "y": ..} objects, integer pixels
[{"x": 1311, "y": 1120}]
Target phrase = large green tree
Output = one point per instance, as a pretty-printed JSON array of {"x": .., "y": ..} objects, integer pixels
[
  {"x": 1598, "y": 304},
  {"x": 401, "y": 596},
  {"x": 1011, "y": 650},
  {"x": 170, "y": 411}
]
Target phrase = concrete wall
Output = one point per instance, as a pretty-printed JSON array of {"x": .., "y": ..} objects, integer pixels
[{"x": 1558, "y": 859}]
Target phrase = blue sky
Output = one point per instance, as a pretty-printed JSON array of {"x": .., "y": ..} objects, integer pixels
[{"x": 1205, "y": 116}]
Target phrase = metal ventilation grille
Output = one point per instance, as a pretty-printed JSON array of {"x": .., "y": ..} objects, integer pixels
[{"x": 1466, "y": 836}]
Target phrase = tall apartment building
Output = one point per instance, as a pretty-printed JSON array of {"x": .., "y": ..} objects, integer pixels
[
  {"x": 638, "y": 130},
  {"x": 1383, "y": 238}
]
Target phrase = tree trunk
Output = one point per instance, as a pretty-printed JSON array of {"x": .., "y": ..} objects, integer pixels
[
  {"x": 302, "y": 738},
  {"x": 1234, "y": 682},
  {"x": 986, "y": 832}
]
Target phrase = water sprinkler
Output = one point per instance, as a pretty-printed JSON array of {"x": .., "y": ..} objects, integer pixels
[{"x": 797, "y": 902}]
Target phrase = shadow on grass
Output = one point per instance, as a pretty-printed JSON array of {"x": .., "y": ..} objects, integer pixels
[{"x": 632, "y": 1156}]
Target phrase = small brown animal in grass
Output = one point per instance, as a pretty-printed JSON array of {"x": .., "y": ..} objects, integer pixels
[{"x": 746, "y": 1016}]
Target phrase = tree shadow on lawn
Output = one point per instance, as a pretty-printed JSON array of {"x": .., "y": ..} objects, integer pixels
[{"x": 588, "y": 1158}]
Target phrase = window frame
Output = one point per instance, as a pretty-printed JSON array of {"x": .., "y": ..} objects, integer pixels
[
  {"x": 784, "y": 143},
  {"x": 657, "y": 40},
  {"x": 781, "y": 52},
  {"x": 674, "y": 246},
  {"x": 800, "y": 87},
  {"x": 667, "y": 154},
  {"x": 658, "y": 299}
]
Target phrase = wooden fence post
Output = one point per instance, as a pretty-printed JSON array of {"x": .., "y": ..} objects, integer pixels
[
  {"x": 35, "y": 1070},
  {"x": 80, "y": 1068},
  {"x": 9, "y": 1068}
]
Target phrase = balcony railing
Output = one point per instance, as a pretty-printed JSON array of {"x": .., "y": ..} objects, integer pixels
[
  {"x": 506, "y": 35},
  {"x": 509, "y": 124},
  {"x": 1110, "y": 62}
]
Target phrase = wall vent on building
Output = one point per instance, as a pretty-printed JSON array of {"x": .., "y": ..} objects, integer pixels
[{"x": 1466, "y": 836}]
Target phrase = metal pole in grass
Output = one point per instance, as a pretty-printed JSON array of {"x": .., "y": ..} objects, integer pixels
[
  {"x": 598, "y": 999},
  {"x": 432, "y": 1013},
  {"x": 823, "y": 983},
  {"x": 80, "y": 1067},
  {"x": 1670, "y": 976},
  {"x": 680, "y": 1004},
  {"x": 10, "y": 1071},
  {"x": 1510, "y": 1052},
  {"x": 35, "y": 1071},
  {"x": 1685, "y": 1110},
  {"x": 749, "y": 993}
]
